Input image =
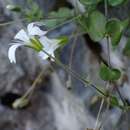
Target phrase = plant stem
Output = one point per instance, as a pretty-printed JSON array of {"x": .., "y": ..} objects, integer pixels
[
  {"x": 68, "y": 21},
  {"x": 69, "y": 81},
  {"x": 74, "y": 74},
  {"x": 31, "y": 89},
  {"x": 11, "y": 22},
  {"x": 107, "y": 83},
  {"x": 99, "y": 113}
]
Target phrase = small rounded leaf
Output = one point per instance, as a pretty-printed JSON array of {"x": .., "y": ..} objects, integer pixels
[
  {"x": 96, "y": 22},
  {"x": 114, "y": 28},
  {"x": 109, "y": 74}
]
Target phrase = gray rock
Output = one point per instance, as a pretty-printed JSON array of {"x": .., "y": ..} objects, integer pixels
[{"x": 53, "y": 107}]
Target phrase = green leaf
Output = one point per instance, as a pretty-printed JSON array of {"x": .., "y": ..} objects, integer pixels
[
  {"x": 90, "y": 2},
  {"x": 114, "y": 28},
  {"x": 96, "y": 22},
  {"x": 125, "y": 23},
  {"x": 33, "y": 13},
  {"x": 126, "y": 50},
  {"x": 62, "y": 13},
  {"x": 109, "y": 74},
  {"x": 115, "y": 2},
  {"x": 50, "y": 23},
  {"x": 82, "y": 22},
  {"x": 58, "y": 17}
]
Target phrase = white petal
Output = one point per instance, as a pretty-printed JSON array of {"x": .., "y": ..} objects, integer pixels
[
  {"x": 22, "y": 35},
  {"x": 11, "y": 52},
  {"x": 49, "y": 43},
  {"x": 55, "y": 44},
  {"x": 33, "y": 30},
  {"x": 45, "y": 42},
  {"x": 52, "y": 54},
  {"x": 43, "y": 55}
]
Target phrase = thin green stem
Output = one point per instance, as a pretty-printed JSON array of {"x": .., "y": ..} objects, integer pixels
[
  {"x": 107, "y": 83},
  {"x": 59, "y": 25},
  {"x": 31, "y": 89},
  {"x": 74, "y": 74},
  {"x": 68, "y": 21},
  {"x": 106, "y": 8},
  {"x": 10, "y": 22},
  {"x": 99, "y": 113},
  {"x": 69, "y": 81},
  {"x": 108, "y": 48}
]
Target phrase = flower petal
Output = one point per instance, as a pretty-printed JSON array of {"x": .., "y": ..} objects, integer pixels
[
  {"x": 43, "y": 55},
  {"x": 22, "y": 35},
  {"x": 11, "y": 52},
  {"x": 55, "y": 44},
  {"x": 49, "y": 44},
  {"x": 33, "y": 30},
  {"x": 45, "y": 42}
]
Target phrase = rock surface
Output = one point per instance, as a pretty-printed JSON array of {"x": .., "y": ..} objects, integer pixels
[{"x": 53, "y": 106}]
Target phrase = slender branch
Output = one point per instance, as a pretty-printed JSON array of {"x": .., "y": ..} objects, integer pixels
[
  {"x": 74, "y": 74},
  {"x": 109, "y": 57},
  {"x": 31, "y": 89},
  {"x": 108, "y": 51},
  {"x": 68, "y": 21},
  {"x": 69, "y": 81},
  {"x": 11, "y": 22},
  {"x": 120, "y": 95},
  {"x": 109, "y": 61},
  {"x": 59, "y": 25},
  {"x": 22, "y": 101},
  {"x": 99, "y": 113}
]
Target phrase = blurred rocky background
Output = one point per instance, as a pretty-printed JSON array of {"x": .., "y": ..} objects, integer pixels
[{"x": 53, "y": 105}]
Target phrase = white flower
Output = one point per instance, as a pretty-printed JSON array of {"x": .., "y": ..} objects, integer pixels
[
  {"x": 26, "y": 38},
  {"x": 49, "y": 46},
  {"x": 34, "y": 38}
]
